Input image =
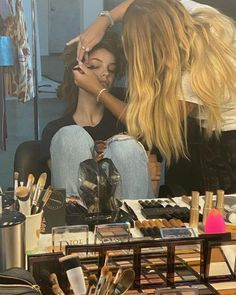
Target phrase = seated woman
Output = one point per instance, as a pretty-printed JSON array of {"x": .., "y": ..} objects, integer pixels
[{"x": 68, "y": 141}]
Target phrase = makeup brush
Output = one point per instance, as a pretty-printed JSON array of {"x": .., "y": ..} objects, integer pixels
[
  {"x": 30, "y": 181},
  {"x": 22, "y": 194},
  {"x": 125, "y": 282},
  {"x": 51, "y": 281},
  {"x": 39, "y": 187},
  {"x": 16, "y": 184},
  {"x": 107, "y": 284},
  {"x": 104, "y": 272},
  {"x": 92, "y": 280},
  {"x": 115, "y": 281},
  {"x": 130, "y": 211},
  {"x": 45, "y": 198}
]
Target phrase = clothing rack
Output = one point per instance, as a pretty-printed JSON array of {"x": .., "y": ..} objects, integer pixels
[{"x": 35, "y": 70}]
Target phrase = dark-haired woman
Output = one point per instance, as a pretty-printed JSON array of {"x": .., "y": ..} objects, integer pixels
[{"x": 68, "y": 141}]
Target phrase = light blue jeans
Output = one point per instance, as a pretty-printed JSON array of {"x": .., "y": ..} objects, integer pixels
[{"x": 71, "y": 145}]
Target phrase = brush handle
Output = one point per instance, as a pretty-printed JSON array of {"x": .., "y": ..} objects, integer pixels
[{"x": 130, "y": 211}]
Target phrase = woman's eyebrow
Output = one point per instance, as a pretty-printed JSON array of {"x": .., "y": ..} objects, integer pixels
[{"x": 97, "y": 59}]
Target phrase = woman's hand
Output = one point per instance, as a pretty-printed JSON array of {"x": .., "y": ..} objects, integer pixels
[
  {"x": 86, "y": 79},
  {"x": 90, "y": 37},
  {"x": 100, "y": 147}
]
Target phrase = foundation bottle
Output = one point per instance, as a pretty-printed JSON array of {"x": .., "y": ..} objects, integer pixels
[
  {"x": 220, "y": 195},
  {"x": 194, "y": 210},
  {"x": 207, "y": 205}
]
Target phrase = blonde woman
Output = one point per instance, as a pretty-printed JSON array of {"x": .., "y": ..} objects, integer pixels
[{"x": 180, "y": 63}]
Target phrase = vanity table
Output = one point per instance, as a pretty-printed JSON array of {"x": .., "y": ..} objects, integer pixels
[{"x": 205, "y": 262}]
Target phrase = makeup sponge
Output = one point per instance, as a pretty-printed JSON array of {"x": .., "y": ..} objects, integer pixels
[{"x": 214, "y": 222}]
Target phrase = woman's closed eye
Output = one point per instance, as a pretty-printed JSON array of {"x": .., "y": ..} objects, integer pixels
[{"x": 111, "y": 69}]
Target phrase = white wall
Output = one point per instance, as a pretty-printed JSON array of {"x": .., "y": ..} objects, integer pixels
[{"x": 90, "y": 10}]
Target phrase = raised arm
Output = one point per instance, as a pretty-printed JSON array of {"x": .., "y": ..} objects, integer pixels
[{"x": 95, "y": 32}]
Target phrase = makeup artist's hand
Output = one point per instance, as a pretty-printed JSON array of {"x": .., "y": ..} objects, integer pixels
[
  {"x": 90, "y": 37},
  {"x": 100, "y": 147},
  {"x": 86, "y": 79}
]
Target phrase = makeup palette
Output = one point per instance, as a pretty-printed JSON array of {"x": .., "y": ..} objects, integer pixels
[
  {"x": 113, "y": 232},
  {"x": 162, "y": 228},
  {"x": 155, "y": 209}
]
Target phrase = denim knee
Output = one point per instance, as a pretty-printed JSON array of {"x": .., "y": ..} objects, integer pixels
[{"x": 72, "y": 137}]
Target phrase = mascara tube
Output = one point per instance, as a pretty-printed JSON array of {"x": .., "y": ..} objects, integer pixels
[{"x": 74, "y": 273}]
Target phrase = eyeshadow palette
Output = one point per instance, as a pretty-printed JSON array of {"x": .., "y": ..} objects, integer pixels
[
  {"x": 158, "y": 203},
  {"x": 182, "y": 213},
  {"x": 114, "y": 232},
  {"x": 175, "y": 233},
  {"x": 152, "y": 228}
]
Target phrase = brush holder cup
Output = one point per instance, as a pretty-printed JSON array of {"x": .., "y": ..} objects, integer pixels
[
  {"x": 12, "y": 242},
  {"x": 32, "y": 231}
]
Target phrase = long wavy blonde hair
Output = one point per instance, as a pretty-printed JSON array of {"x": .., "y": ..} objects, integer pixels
[{"x": 161, "y": 41}]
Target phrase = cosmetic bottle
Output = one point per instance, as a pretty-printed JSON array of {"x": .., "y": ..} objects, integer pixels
[
  {"x": 220, "y": 194},
  {"x": 194, "y": 210},
  {"x": 74, "y": 272},
  {"x": 207, "y": 205}
]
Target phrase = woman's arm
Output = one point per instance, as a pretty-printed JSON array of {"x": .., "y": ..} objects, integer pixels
[{"x": 95, "y": 32}]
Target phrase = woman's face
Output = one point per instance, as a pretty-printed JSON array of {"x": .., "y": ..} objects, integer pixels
[{"x": 103, "y": 64}]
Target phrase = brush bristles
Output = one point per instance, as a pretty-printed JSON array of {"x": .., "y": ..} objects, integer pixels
[
  {"x": 16, "y": 175},
  {"x": 42, "y": 180}
]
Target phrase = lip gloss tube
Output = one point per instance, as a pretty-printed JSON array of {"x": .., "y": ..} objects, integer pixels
[{"x": 74, "y": 273}]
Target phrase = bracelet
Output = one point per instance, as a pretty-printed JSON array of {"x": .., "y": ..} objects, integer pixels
[
  {"x": 99, "y": 93},
  {"x": 108, "y": 14}
]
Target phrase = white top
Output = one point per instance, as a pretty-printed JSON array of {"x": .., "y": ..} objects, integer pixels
[{"x": 229, "y": 107}]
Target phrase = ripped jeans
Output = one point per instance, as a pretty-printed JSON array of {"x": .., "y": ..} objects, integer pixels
[{"x": 71, "y": 145}]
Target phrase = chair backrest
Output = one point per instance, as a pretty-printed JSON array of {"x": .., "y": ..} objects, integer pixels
[{"x": 27, "y": 160}]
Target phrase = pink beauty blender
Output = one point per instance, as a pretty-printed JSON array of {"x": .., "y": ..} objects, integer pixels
[{"x": 215, "y": 223}]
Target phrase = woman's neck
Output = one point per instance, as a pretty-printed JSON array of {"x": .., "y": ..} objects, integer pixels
[{"x": 88, "y": 111}]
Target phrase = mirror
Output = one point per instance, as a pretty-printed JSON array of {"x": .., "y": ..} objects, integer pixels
[{"x": 56, "y": 22}]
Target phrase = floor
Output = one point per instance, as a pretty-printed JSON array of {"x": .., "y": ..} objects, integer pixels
[{"x": 20, "y": 122}]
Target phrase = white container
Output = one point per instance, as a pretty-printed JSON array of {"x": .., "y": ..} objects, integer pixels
[{"x": 32, "y": 231}]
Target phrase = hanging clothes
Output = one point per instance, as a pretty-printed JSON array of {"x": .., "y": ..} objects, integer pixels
[{"x": 22, "y": 84}]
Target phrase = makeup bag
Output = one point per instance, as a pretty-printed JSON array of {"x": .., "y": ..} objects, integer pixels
[{"x": 18, "y": 281}]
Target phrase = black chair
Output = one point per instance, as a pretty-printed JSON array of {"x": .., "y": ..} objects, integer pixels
[{"x": 27, "y": 160}]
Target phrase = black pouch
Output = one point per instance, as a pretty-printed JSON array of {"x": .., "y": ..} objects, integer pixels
[{"x": 18, "y": 281}]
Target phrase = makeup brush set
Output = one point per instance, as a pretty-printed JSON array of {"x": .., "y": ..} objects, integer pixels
[
  {"x": 29, "y": 198},
  {"x": 107, "y": 284}
]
